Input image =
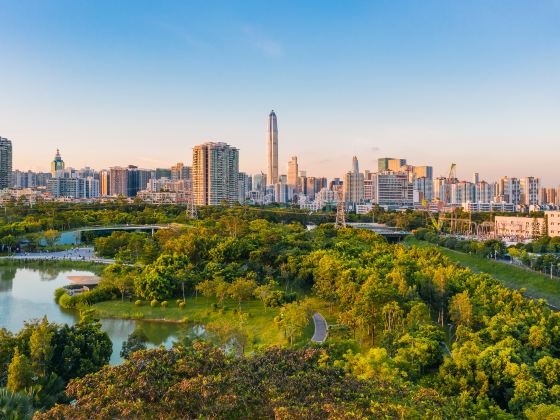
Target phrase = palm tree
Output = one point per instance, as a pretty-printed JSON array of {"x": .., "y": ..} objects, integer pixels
[{"x": 15, "y": 405}]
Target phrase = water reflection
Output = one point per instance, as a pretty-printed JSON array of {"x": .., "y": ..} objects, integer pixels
[
  {"x": 8, "y": 273},
  {"x": 27, "y": 293}
]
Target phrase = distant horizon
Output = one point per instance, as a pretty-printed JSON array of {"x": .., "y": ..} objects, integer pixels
[{"x": 135, "y": 82}]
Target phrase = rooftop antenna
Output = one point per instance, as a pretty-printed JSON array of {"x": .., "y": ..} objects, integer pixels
[
  {"x": 340, "y": 210},
  {"x": 192, "y": 212}
]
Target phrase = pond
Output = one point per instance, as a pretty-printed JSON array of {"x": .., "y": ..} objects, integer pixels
[{"x": 28, "y": 293}]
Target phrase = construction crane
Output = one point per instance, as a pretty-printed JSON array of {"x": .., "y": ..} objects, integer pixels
[
  {"x": 452, "y": 173},
  {"x": 451, "y": 178},
  {"x": 435, "y": 223}
]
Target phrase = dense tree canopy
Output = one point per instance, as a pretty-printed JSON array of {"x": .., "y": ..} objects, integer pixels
[{"x": 415, "y": 334}]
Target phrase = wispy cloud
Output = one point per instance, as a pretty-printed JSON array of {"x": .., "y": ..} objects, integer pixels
[
  {"x": 181, "y": 33},
  {"x": 258, "y": 40}
]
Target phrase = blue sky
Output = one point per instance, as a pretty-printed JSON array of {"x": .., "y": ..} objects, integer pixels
[{"x": 117, "y": 82}]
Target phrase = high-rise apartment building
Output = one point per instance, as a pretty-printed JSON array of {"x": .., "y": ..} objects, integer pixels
[
  {"x": 5, "y": 163},
  {"x": 484, "y": 192},
  {"x": 283, "y": 193},
  {"x": 244, "y": 186},
  {"x": 92, "y": 187},
  {"x": 551, "y": 196},
  {"x": 118, "y": 178},
  {"x": 475, "y": 178},
  {"x": 529, "y": 187},
  {"x": 259, "y": 182},
  {"x": 314, "y": 185},
  {"x": 215, "y": 174},
  {"x": 423, "y": 189},
  {"x": 22, "y": 179},
  {"x": 423, "y": 171},
  {"x": 67, "y": 187},
  {"x": 104, "y": 183},
  {"x": 353, "y": 185},
  {"x": 272, "y": 149},
  {"x": 180, "y": 171},
  {"x": 461, "y": 192},
  {"x": 293, "y": 174},
  {"x": 508, "y": 191},
  {"x": 42, "y": 178},
  {"x": 162, "y": 173}
]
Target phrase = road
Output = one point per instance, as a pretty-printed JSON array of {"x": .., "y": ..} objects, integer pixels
[
  {"x": 75, "y": 254},
  {"x": 320, "y": 334}
]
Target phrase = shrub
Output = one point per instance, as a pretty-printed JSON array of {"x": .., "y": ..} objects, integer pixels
[
  {"x": 66, "y": 301},
  {"x": 214, "y": 306},
  {"x": 154, "y": 303},
  {"x": 58, "y": 293},
  {"x": 164, "y": 304},
  {"x": 182, "y": 305},
  {"x": 138, "y": 302},
  {"x": 290, "y": 297}
]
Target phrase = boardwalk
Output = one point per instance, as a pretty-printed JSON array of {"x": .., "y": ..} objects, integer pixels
[{"x": 320, "y": 334}]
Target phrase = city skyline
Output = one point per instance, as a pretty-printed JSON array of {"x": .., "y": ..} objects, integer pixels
[
  {"x": 376, "y": 166},
  {"x": 469, "y": 83}
]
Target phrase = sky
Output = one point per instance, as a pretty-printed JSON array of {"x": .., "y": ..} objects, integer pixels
[{"x": 139, "y": 82}]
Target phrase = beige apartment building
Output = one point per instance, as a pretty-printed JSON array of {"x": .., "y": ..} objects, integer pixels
[
  {"x": 553, "y": 222},
  {"x": 519, "y": 228}
]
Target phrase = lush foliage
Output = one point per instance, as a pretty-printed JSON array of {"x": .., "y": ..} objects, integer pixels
[
  {"x": 38, "y": 361},
  {"x": 203, "y": 382},
  {"x": 416, "y": 335},
  {"x": 422, "y": 320}
]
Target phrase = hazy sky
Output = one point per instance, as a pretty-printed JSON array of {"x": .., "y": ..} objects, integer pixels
[{"x": 141, "y": 82}]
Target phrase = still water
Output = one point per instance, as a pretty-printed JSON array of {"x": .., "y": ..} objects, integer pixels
[{"x": 28, "y": 293}]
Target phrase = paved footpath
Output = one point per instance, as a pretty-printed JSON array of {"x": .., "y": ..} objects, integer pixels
[
  {"x": 320, "y": 334},
  {"x": 75, "y": 254}
]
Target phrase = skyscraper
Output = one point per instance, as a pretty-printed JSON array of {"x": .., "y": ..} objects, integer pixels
[
  {"x": 5, "y": 163},
  {"x": 215, "y": 174},
  {"x": 104, "y": 183},
  {"x": 353, "y": 185},
  {"x": 272, "y": 151},
  {"x": 390, "y": 164},
  {"x": 180, "y": 171},
  {"x": 530, "y": 187},
  {"x": 293, "y": 174},
  {"x": 57, "y": 166},
  {"x": 118, "y": 181}
]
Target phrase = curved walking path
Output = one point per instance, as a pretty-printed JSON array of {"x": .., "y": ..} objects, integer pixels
[
  {"x": 320, "y": 334},
  {"x": 74, "y": 254}
]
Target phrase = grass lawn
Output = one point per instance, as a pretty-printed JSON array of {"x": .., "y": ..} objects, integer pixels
[
  {"x": 537, "y": 285},
  {"x": 199, "y": 310}
]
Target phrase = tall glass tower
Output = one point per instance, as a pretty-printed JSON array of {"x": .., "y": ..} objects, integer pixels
[
  {"x": 272, "y": 150},
  {"x": 57, "y": 166}
]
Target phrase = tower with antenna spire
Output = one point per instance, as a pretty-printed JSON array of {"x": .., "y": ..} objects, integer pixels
[{"x": 57, "y": 166}]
